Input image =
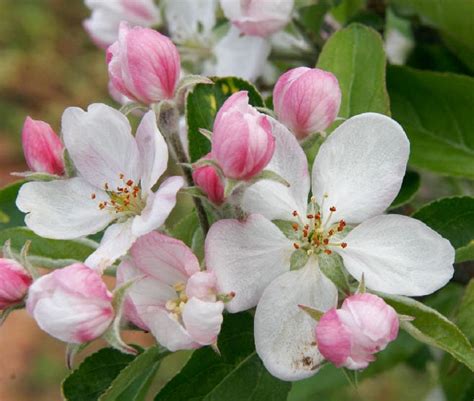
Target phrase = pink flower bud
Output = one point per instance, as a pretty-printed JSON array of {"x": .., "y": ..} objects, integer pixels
[
  {"x": 363, "y": 326},
  {"x": 242, "y": 141},
  {"x": 71, "y": 304},
  {"x": 143, "y": 64},
  {"x": 258, "y": 17},
  {"x": 209, "y": 181},
  {"x": 42, "y": 147},
  {"x": 306, "y": 100},
  {"x": 14, "y": 283}
]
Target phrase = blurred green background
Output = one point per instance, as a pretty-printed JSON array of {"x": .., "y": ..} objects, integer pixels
[{"x": 47, "y": 63}]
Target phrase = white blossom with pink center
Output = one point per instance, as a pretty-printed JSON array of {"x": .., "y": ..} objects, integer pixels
[
  {"x": 115, "y": 176},
  {"x": 356, "y": 176}
]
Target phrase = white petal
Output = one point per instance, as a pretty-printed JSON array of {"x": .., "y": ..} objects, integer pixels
[
  {"x": 398, "y": 255},
  {"x": 164, "y": 258},
  {"x": 117, "y": 240},
  {"x": 233, "y": 48},
  {"x": 168, "y": 332},
  {"x": 158, "y": 206},
  {"x": 190, "y": 19},
  {"x": 361, "y": 167},
  {"x": 274, "y": 200},
  {"x": 153, "y": 151},
  {"x": 203, "y": 320},
  {"x": 63, "y": 209},
  {"x": 285, "y": 335},
  {"x": 101, "y": 145},
  {"x": 246, "y": 256}
]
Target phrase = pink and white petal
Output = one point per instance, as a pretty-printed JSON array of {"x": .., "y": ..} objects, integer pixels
[
  {"x": 274, "y": 200},
  {"x": 63, "y": 209},
  {"x": 145, "y": 296},
  {"x": 334, "y": 341},
  {"x": 153, "y": 151},
  {"x": 284, "y": 334},
  {"x": 398, "y": 255},
  {"x": 202, "y": 285},
  {"x": 203, "y": 320},
  {"x": 169, "y": 332},
  {"x": 246, "y": 256},
  {"x": 164, "y": 258},
  {"x": 361, "y": 167},
  {"x": 159, "y": 205},
  {"x": 101, "y": 145},
  {"x": 116, "y": 242}
]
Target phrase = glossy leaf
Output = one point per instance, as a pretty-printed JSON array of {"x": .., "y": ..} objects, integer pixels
[
  {"x": 10, "y": 216},
  {"x": 432, "y": 328},
  {"x": 453, "y": 218},
  {"x": 355, "y": 55},
  {"x": 235, "y": 375},
  {"x": 46, "y": 252},
  {"x": 435, "y": 109}
]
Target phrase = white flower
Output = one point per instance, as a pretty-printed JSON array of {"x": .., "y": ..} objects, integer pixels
[
  {"x": 356, "y": 175},
  {"x": 116, "y": 173}
]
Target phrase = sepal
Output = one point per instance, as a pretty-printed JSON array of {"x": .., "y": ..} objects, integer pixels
[
  {"x": 311, "y": 312},
  {"x": 36, "y": 176},
  {"x": 71, "y": 351}
]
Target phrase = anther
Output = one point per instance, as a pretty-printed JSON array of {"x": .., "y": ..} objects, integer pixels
[
  {"x": 295, "y": 226},
  {"x": 295, "y": 213},
  {"x": 296, "y": 245},
  {"x": 327, "y": 251},
  {"x": 121, "y": 176},
  {"x": 343, "y": 245},
  {"x": 92, "y": 196},
  {"x": 332, "y": 208},
  {"x": 309, "y": 216},
  {"x": 129, "y": 183},
  {"x": 106, "y": 186}
]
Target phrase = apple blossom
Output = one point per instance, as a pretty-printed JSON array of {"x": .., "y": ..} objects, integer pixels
[
  {"x": 349, "y": 336},
  {"x": 208, "y": 180},
  {"x": 356, "y": 175},
  {"x": 172, "y": 298},
  {"x": 234, "y": 47},
  {"x": 115, "y": 176},
  {"x": 14, "y": 283},
  {"x": 71, "y": 304},
  {"x": 42, "y": 147},
  {"x": 103, "y": 24},
  {"x": 242, "y": 141},
  {"x": 143, "y": 64},
  {"x": 258, "y": 17},
  {"x": 306, "y": 100}
]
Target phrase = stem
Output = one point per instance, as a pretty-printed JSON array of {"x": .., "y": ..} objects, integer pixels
[{"x": 168, "y": 122}]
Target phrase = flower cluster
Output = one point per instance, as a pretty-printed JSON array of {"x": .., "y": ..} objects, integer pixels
[{"x": 274, "y": 223}]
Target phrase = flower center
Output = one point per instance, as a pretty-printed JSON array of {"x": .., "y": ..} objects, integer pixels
[
  {"x": 176, "y": 305},
  {"x": 125, "y": 199},
  {"x": 317, "y": 236}
]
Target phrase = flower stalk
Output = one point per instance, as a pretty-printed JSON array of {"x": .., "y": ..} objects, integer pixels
[{"x": 168, "y": 122}]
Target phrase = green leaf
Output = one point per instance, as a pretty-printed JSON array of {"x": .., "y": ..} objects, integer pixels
[
  {"x": 410, "y": 186},
  {"x": 185, "y": 228},
  {"x": 355, "y": 55},
  {"x": 95, "y": 375},
  {"x": 236, "y": 375},
  {"x": 347, "y": 9},
  {"x": 452, "y": 17},
  {"x": 202, "y": 105},
  {"x": 436, "y": 111},
  {"x": 453, "y": 218},
  {"x": 132, "y": 383},
  {"x": 10, "y": 215},
  {"x": 45, "y": 252},
  {"x": 432, "y": 328},
  {"x": 456, "y": 379}
]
